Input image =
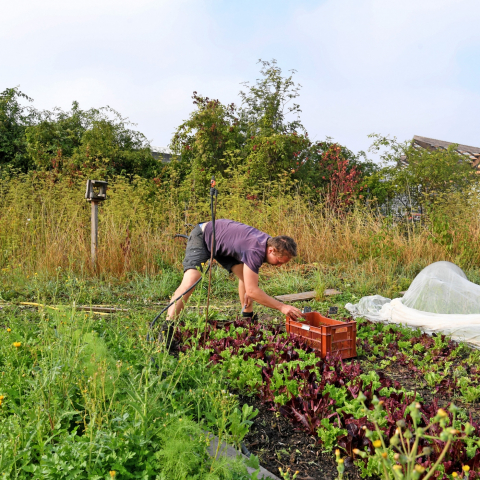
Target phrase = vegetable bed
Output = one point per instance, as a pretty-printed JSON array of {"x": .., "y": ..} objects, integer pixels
[{"x": 411, "y": 375}]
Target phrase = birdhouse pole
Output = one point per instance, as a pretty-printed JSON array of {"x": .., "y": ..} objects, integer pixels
[
  {"x": 94, "y": 233},
  {"x": 96, "y": 193}
]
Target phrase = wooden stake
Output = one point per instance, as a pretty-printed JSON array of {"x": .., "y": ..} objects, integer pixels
[{"x": 94, "y": 234}]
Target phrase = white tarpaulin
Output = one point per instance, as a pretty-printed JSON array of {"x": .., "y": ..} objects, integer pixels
[{"x": 440, "y": 300}]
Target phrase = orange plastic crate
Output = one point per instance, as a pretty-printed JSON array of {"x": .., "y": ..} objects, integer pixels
[{"x": 326, "y": 335}]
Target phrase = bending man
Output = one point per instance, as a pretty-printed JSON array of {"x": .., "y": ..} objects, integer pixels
[{"x": 240, "y": 249}]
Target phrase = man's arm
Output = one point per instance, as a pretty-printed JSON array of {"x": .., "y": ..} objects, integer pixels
[{"x": 253, "y": 291}]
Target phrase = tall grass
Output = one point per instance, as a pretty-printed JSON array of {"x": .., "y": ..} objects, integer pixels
[{"x": 45, "y": 224}]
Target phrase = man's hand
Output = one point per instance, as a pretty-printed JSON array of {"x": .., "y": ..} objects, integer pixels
[
  {"x": 254, "y": 293},
  {"x": 292, "y": 312}
]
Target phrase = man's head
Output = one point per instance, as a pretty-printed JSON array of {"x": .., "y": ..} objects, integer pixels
[{"x": 280, "y": 250}]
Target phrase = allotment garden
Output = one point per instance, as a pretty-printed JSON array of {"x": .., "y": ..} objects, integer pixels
[
  {"x": 89, "y": 391},
  {"x": 92, "y": 395}
]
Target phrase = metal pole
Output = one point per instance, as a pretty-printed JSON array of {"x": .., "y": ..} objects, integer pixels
[
  {"x": 211, "y": 265},
  {"x": 94, "y": 233},
  {"x": 213, "y": 193}
]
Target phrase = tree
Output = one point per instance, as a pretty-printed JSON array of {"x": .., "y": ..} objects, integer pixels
[
  {"x": 56, "y": 136},
  {"x": 14, "y": 119},
  {"x": 203, "y": 139},
  {"x": 256, "y": 138},
  {"x": 267, "y": 104},
  {"x": 95, "y": 140},
  {"x": 263, "y": 139},
  {"x": 419, "y": 177}
]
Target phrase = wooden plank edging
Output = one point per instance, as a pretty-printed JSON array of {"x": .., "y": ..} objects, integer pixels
[{"x": 295, "y": 297}]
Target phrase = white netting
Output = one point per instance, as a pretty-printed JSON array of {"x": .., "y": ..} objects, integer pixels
[
  {"x": 442, "y": 287},
  {"x": 439, "y": 300}
]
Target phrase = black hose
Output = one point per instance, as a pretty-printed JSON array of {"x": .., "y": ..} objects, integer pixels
[
  {"x": 176, "y": 300},
  {"x": 245, "y": 450}
]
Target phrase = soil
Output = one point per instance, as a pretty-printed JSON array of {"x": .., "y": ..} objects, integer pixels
[
  {"x": 279, "y": 445},
  {"x": 403, "y": 375}
]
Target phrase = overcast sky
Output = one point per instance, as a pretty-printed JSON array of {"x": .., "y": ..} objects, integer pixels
[{"x": 404, "y": 68}]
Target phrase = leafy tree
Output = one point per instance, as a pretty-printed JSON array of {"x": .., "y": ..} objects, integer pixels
[
  {"x": 56, "y": 135},
  {"x": 203, "y": 139},
  {"x": 95, "y": 140},
  {"x": 419, "y": 176},
  {"x": 110, "y": 145},
  {"x": 331, "y": 171},
  {"x": 14, "y": 119},
  {"x": 256, "y": 138},
  {"x": 269, "y": 156},
  {"x": 378, "y": 186},
  {"x": 274, "y": 140},
  {"x": 263, "y": 139},
  {"x": 267, "y": 104}
]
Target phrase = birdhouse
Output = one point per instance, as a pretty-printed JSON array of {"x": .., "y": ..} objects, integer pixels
[{"x": 96, "y": 190}]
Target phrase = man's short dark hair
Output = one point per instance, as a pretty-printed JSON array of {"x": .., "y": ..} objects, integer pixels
[{"x": 283, "y": 245}]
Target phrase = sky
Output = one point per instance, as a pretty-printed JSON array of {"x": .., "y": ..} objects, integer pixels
[{"x": 398, "y": 68}]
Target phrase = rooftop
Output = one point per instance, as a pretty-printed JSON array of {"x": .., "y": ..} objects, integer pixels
[
  {"x": 162, "y": 152},
  {"x": 432, "y": 144}
]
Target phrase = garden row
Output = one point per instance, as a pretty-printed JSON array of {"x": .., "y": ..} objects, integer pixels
[
  {"x": 335, "y": 401},
  {"x": 87, "y": 397}
]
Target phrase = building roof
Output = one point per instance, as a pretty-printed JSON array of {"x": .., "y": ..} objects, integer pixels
[
  {"x": 431, "y": 144},
  {"x": 163, "y": 153},
  {"x": 161, "y": 150}
]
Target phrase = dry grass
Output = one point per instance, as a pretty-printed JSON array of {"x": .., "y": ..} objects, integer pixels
[{"x": 45, "y": 224}]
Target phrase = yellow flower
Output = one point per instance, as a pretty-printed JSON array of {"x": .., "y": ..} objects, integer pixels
[
  {"x": 466, "y": 468},
  {"x": 419, "y": 468},
  {"x": 377, "y": 443},
  {"x": 17, "y": 344},
  {"x": 442, "y": 413},
  {"x": 112, "y": 473},
  {"x": 454, "y": 474},
  {"x": 397, "y": 467},
  {"x": 9, "y": 330}
]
